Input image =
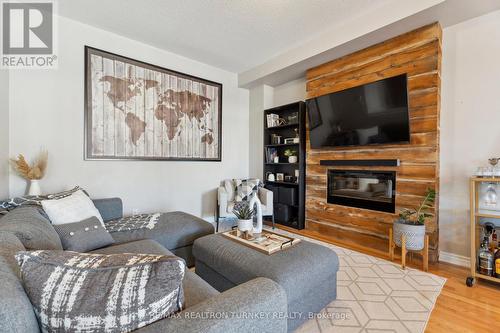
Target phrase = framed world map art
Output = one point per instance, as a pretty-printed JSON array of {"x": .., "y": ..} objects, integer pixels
[{"x": 139, "y": 111}]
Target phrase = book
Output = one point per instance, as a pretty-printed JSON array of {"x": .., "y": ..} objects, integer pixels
[{"x": 271, "y": 154}]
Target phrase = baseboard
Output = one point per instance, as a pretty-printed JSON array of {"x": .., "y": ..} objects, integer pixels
[{"x": 454, "y": 259}]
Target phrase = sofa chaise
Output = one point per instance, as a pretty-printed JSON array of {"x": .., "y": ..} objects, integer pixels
[{"x": 174, "y": 234}]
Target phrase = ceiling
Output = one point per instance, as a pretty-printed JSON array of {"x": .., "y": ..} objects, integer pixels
[{"x": 234, "y": 35}]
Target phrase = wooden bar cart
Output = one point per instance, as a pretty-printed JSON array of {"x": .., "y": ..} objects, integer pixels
[{"x": 475, "y": 215}]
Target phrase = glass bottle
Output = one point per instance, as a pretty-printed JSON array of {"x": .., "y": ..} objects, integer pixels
[{"x": 485, "y": 259}]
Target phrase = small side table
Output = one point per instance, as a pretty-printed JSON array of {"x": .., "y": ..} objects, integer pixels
[{"x": 424, "y": 252}]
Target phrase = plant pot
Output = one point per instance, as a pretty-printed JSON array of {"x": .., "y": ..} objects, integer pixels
[
  {"x": 34, "y": 188},
  {"x": 245, "y": 225},
  {"x": 415, "y": 234},
  {"x": 292, "y": 159}
]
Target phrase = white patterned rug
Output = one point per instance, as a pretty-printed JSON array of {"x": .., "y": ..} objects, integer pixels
[{"x": 374, "y": 295}]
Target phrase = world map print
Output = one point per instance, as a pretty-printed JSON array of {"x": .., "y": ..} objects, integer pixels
[{"x": 139, "y": 111}]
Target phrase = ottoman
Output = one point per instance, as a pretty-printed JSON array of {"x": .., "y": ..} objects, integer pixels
[{"x": 306, "y": 271}]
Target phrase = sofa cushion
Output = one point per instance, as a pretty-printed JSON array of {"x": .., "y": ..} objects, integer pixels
[
  {"x": 70, "y": 209},
  {"x": 173, "y": 230},
  {"x": 95, "y": 293},
  {"x": 16, "y": 311},
  {"x": 110, "y": 208},
  {"x": 83, "y": 236},
  {"x": 9, "y": 246},
  {"x": 32, "y": 228}
]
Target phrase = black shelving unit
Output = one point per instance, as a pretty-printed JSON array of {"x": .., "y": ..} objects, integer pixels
[{"x": 291, "y": 204}]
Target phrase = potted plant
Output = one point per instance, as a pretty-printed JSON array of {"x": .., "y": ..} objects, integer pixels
[
  {"x": 244, "y": 215},
  {"x": 291, "y": 154},
  {"x": 411, "y": 223}
]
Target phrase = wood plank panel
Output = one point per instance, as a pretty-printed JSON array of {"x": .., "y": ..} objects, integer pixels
[
  {"x": 418, "y": 54},
  {"x": 392, "y": 46},
  {"x": 349, "y": 80},
  {"x": 420, "y": 57}
]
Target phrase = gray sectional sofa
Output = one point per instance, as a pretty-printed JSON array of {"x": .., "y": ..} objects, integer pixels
[{"x": 206, "y": 309}]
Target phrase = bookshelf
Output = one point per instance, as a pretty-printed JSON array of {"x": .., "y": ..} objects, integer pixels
[{"x": 286, "y": 122}]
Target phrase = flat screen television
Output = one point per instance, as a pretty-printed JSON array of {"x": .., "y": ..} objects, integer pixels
[{"x": 374, "y": 113}]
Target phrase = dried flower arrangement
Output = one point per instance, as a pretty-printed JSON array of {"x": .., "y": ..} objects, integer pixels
[{"x": 34, "y": 172}]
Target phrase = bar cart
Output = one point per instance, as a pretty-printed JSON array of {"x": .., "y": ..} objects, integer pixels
[{"x": 475, "y": 215}]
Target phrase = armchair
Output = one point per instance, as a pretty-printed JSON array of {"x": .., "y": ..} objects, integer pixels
[{"x": 226, "y": 199}]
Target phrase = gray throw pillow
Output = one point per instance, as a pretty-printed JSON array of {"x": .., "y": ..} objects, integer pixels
[
  {"x": 83, "y": 236},
  {"x": 101, "y": 293},
  {"x": 30, "y": 225}
]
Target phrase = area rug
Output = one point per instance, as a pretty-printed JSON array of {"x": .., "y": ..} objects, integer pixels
[{"x": 374, "y": 295}]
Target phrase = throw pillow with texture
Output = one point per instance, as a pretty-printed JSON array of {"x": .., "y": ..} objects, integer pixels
[
  {"x": 246, "y": 189},
  {"x": 32, "y": 227},
  {"x": 64, "y": 194},
  {"x": 101, "y": 293},
  {"x": 83, "y": 236},
  {"x": 33, "y": 200},
  {"x": 70, "y": 209}
]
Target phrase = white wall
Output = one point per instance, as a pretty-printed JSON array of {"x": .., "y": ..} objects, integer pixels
[
  {"x": 470, "y": 120},
  {"x": 4, "y": 134},
  {"x": 47, "y": 111},
  {"x": 261, "y": 98},
  {"x": 290, "y": 92}
]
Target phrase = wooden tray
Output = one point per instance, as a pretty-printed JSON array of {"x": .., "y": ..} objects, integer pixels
[{"x": 267, "y": 242}]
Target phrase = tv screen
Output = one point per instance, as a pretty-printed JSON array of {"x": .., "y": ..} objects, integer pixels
[{"x": 374, "y": 113}]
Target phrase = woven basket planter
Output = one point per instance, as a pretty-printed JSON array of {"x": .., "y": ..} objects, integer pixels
[{"x": 415, "y": 234}]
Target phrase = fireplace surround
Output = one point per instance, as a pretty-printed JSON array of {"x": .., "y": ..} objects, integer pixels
[{"x": 375, "y": 190}]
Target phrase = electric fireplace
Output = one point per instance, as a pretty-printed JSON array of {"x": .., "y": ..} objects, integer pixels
[{"x": 375, "y": 190}]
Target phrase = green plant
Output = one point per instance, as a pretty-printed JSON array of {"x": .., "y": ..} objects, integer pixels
[
  {"x": 243, "y": 212},
  {"x": 418, "y": 216},
  {"x": 290, "y": 152}
]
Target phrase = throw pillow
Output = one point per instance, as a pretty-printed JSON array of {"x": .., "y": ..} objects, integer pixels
[
  {"x": 246, "y": 189},
  {"x": 32, "y": 200},
  {"x": 33, "y": 229},
  {"x": 65, "y": 194},
  {"x": 73, "y": 208},
  {"x": 83, "y": 236},
  {"x": 84, "y": 292}
]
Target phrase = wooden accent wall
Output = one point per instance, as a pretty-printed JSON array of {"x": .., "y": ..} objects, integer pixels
[{"x": 417, "y": 53}]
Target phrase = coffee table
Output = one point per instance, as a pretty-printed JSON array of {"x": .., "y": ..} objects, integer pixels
[{"x": 306, "y": 271}]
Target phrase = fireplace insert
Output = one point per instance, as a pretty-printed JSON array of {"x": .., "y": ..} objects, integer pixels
[{"x": 373, "y": 190}]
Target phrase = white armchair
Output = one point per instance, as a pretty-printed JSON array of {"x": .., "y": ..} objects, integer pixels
[{"x": 226, "y": 199}]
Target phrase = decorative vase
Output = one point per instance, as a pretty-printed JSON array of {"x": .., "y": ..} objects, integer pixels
[
  {"x": 255, "y": 202},
  {"x": 415, "y": 234},
  {"x": 34, "y": 187},
  {"x": 292, "y": 159},
  {"x": 245, "y": 225}
]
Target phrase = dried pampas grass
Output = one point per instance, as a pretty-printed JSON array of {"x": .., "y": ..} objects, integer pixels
[{"x": 34, "y": 172}]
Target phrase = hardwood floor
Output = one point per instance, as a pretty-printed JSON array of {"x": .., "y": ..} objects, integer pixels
[{"x": 458, "y": 308}]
